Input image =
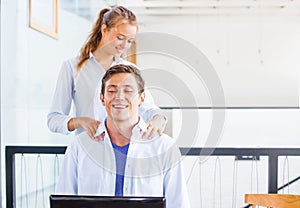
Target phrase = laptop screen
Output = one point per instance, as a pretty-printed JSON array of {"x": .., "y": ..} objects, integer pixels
[{"x": 76, "y": 201}]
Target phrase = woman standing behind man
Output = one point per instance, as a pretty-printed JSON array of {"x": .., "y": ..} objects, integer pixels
[{"x": 111, "y": 35}]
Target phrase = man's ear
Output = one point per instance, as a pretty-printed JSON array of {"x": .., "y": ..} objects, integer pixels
[
  {"x": 142, "y": 98},
  {"x": 102, "y": 99}
]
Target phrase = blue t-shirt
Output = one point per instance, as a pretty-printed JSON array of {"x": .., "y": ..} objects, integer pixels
[{"x": 120, "y": 155}]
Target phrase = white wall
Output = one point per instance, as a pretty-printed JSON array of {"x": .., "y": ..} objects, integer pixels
[
  {"x": 249, "y": 79},
  {"x": 232, "y": 44},
  {"x": 30, "y": 67},
  {"x": 30, "y": 63}
]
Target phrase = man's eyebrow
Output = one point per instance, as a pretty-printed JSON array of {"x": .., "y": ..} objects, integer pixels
[
  {"x": 111, "y": 85},
  {"x": 126, "y": 85}
]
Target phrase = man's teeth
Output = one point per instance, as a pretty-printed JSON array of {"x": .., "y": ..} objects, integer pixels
[{"x": 120, "y": 106}]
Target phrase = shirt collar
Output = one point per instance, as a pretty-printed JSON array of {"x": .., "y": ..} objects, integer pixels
[
  {"x": 137, "y": 130},
  {"x": 141, "y": 124}
]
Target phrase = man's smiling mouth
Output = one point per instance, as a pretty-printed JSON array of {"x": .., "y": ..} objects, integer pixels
[{"x": 120, "y": 106}]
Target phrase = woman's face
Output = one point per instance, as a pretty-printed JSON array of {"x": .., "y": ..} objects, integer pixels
[{"x": 117, "y": 39}]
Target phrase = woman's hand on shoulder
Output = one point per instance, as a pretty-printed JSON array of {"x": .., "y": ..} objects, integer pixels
[
  {"x": 156, "y": 125},
  {"x": 90, "y": 125}
]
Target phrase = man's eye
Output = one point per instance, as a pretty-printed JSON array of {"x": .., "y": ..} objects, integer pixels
[
  {"x": 120, "y": 38},
  {"x": 128, "y": 90},
  {"x": 112, "y": 91}
]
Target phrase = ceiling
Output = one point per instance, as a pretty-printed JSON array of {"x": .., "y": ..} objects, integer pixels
[{"x": 89, "y": 8}]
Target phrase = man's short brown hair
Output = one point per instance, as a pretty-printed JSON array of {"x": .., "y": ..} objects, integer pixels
[{"x": 122, "y": 68}]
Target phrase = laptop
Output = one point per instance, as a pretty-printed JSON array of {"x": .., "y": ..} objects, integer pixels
[{"x": 88, "y": 201}]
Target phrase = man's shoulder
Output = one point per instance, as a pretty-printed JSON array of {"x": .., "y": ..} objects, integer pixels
[
  {"x": 164, "y": 142},
  {"x": 166, "y": 139},
  {"x": 168, "y": 148},
  {"x": 83, "y": 140},
  {"x": 79, "y": 141}
]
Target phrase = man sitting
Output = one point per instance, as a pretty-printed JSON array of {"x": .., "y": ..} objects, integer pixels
[{"x": 124, "y": 164}]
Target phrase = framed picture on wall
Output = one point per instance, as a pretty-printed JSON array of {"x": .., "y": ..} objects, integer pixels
[{"x": 43, "y": 16}]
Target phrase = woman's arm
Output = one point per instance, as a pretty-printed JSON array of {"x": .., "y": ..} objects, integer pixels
[{"x": 58, "y": 117}]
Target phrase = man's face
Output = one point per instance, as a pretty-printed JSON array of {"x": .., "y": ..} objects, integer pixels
[{"x": 122, "y": 98}]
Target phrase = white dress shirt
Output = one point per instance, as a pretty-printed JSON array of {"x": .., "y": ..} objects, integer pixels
[
  {"x": 153, "y": 168},
  {"x": 83, "y": 89}
]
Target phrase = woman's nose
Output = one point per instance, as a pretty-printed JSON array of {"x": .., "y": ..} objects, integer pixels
[{"x": 125, "y": 44}]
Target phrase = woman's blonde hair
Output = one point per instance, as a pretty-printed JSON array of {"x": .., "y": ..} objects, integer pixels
[{"x": 109, "y": 17}]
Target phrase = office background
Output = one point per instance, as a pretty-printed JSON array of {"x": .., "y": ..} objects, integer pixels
[{"x": 254, "y": 51}]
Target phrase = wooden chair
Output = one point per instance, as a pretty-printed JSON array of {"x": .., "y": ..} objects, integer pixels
[{"x": 273, "y": 200}]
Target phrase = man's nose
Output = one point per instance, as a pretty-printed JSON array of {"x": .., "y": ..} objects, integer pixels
[{"x": 120, "y": 94}]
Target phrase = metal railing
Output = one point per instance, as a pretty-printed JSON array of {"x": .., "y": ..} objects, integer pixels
[{"x": 239, "y": 153}]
